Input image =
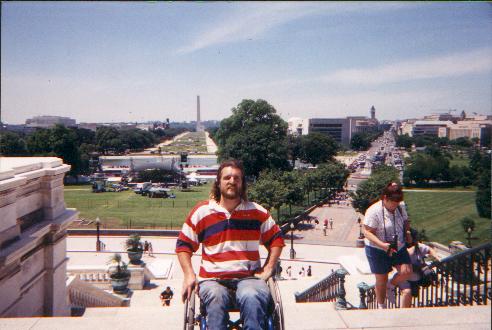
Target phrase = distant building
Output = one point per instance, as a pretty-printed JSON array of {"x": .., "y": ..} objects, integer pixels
[
  {"x": 297, "y": 126},
  {"x": 337, "y": 128},
  {"x": 340, "y": 129},
  {"x": 430, "y": 127},
  {"x": 50, "y": 121}
]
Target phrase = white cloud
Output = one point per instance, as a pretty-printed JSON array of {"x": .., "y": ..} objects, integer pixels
[
  {"x": 254, "y": 20},
  {"x": 453, "y": 65}
]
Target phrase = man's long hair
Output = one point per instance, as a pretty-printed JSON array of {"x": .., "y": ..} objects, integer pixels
[{"x": 215, "y": 191}]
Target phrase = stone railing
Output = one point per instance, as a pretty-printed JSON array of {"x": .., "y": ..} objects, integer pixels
[
  {"x": 83, "y": 294},
  {"x": 460, "y": 279},
  {"x": 99, "y": 276},
  {"x": 330, "y": 288}
]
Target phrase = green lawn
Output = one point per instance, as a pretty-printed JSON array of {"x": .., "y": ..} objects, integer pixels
[
  {"x": 460, "y": 160},
  {"x": 440, "y": 213},
  {"x": 127, "y": 209}
]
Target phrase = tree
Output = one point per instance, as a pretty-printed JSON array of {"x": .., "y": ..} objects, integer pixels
[
  {"x": 269, "y": 190},
  {"x": 466, "y": 223},
  {"x": 332, "y": 175},
  {"x": 254, "y": 134},
  {"x": 38, "y": 143},
  {"x": 369, "y": 191},
  {"x": 482, "y": 199},
  {"x": 109, "y": 139},
  {"x": 294, "y": 147},
  {"x": 360, "y": 141},
  {"x": 11, "y": 144},
  {"x": 317, "y": 148},
  {"x": 64, "y": 144},
  {"x": 404, "y": 141}
]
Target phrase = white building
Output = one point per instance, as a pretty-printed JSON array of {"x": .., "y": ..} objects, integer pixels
[
  {"x": 33, "y": 223},
  {"x": 50, "y": 121}
]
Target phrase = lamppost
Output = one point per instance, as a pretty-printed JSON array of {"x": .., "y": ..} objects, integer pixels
[
  {"x": 469, "y": 232},
  {"x": 98, "y": 242},
  {"x": 292, "y": 252},
  {"x": 361, "y": 236}
]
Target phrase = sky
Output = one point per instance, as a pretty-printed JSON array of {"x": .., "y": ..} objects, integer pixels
[{"x": 146, "y": 61}]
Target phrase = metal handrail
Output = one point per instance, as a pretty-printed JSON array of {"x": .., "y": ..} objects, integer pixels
[
  {"x": 328, "y": 289},
  {"x": 461, "y": 279}
]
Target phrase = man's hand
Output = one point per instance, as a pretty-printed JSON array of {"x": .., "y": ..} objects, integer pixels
[
  {"x": 264, "y": 273},
  {"x": 189, "y": 283}
]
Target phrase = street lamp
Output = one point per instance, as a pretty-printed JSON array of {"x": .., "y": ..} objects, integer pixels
[
  {"x": 98, "y": 242},
  {"x": 361, "y": 236},
  {"x": 469, "y": 231},
  {"x": 292, "y": 252}
]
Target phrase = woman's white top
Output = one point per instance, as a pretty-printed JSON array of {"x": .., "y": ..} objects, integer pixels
[{"x": 394, "y": 223}]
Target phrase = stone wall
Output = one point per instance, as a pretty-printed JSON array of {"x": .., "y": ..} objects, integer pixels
[{"x": 33, "y": 223}]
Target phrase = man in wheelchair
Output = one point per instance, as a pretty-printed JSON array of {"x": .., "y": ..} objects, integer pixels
[{"x": 230, "y": 229}]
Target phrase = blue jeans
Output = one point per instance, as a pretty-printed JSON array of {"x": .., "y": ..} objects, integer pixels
[{"x": 252, "y": 299}]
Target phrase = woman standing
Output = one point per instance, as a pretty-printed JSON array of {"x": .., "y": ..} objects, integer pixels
[{"x": 386, "y": 228}]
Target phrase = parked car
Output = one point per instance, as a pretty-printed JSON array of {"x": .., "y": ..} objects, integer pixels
[{"x": 156, "y": 192}]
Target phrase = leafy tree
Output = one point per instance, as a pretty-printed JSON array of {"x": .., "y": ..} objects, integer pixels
[
  {"x": 38, "y": 143},
  {"x": 11, "y": 144},
  {"x": 294, "y": 194},
  {"x": 332, "y": 175},
  {"x": 64, "y": 144},
  {"x": 482, "y": 199},
  {"x": 369, "y": 191},
  {"x": 108, "y": 138},
  {"x": 294, "y": 147},
  {"x": 463, "y": 142},
  {"x": 317, "y": 148},
  {"x": 254, "y": 134},
  {"x": 269, "y": 190},
  {"x": 466, "y": 223},
  {"x": 404, "y": 141},
  {"x": 360, "y": 141},
  {"x": 423, "y": 167},
  {"x": 85, "y": 135}
]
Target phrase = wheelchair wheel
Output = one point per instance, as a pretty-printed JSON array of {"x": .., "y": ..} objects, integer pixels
[
  {"x": 278, "y": 312},
  {"x": 189, "y": 312}
]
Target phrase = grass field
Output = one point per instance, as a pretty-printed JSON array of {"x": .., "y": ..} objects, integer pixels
[
  {"x": 440, "y": 214},
  {"x": 127, "y": 209},
  {"x": 460, "y": 160}
]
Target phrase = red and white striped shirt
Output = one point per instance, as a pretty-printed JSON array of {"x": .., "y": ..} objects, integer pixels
[{"x": 230, "y": 241}]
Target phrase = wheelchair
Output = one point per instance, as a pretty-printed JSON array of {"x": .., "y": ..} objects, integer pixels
[{"x": 275, "y": 315}]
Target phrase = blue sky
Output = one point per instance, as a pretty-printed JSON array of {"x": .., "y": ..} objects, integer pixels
[{"x": 127, "y": 61}]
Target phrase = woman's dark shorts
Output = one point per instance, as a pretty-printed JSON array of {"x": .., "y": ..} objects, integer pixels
[{"x": 381, "y": 263}]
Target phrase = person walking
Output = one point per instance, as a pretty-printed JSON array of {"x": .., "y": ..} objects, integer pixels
[
  {"x": 230, "y": 229},
  {"x": 146, "y": 247},
  {"x": 289, "y": 272},
  {"x": 309, "y": 271},
  {"x": 325, "y": 226},
  {"x": 386, "y": 228},
  {"x": 151, "y": 250},
  {"x": 166, "y": 296},
  {"x": 331, "y": 223}
]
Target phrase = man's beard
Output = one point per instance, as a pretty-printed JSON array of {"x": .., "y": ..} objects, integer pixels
[{"x": 233, "y": 193}]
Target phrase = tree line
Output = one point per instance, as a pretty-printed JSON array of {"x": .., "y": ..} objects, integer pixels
[
  {"x": 433, "y": 164},
  {"x": 75, "y": 145}
]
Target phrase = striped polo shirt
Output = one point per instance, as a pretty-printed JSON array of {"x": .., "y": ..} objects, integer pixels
[{"x": 230, "y": 241}]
